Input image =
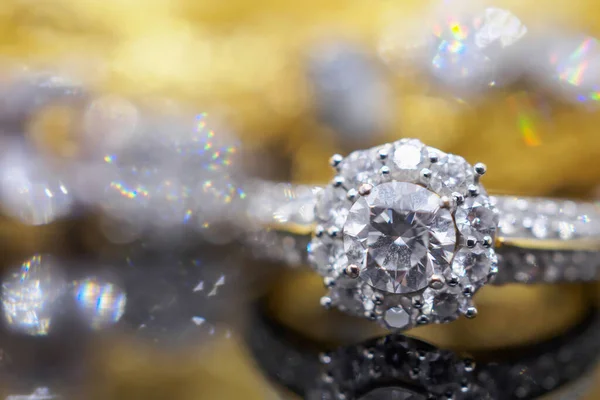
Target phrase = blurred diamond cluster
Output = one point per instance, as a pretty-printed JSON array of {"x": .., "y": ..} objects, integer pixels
[{"x": 151, "y": 165}]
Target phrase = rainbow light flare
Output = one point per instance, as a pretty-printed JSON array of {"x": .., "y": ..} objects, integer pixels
[
  {"x": 105, "y": 301},
  {"x": 574, "y": 74},
  {"x": 521, "y": 105},
  {"x": 582, "y": 49},
  {"x": 26, "y": 266},
  {"x": 220, "y": 154},
  {"x": 456, "y": 47},
  {"x": 129, "y": 193},
  {"x": 459, "y": 31}
]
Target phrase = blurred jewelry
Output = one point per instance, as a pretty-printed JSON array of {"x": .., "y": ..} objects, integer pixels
[
  {"x": 411, "y": 369},
  {"x": 168, "y": 297},
  {"x": 406, "y": 234}
]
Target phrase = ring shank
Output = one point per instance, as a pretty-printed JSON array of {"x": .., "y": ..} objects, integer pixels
[{"x": 559, "y": 240}]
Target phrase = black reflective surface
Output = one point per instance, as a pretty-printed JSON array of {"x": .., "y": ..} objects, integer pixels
[
  {"x": 56, "y": 309},
  {"x": 396, "y": 365}
]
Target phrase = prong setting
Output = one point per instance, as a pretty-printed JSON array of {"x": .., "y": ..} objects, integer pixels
[
  {"x": 473, "y": 190},
  {"x": 458, "y": 198},
  {"x": 433, "y": 157},
  {"x": 493, "y": 273},
  {"x": 378, "y": 298},
  {"x": 471, "y": 242},
  {"x": 487, "y": 241},
  {"x": 480, "y": 169},
  {"x": 333, "y": 232},
  {"x": 338, "y": 181},
  {"x": 417, "y": 302},
  {"x": 469, "y": 364},
  {"x": 352, "y": 271},
  {"x": 365, "y": 189},
  {"x": 326, "y": 302},
  {"x": 383, "y": 154},
  {"x": 468, "y": 291},
  {"x": 436, "y": 282},
  {"x": 471, "y": 312},
  {"x": 445, "y": 202},
  {"x": 352, "y": 194},
  {"x": 335, "y": 160},
  {"x": 340, "y": 253},
  {"x": 452, "y": 281},
  {"x": 319, "y": 231},
  {"x": 328, "y": 282},
  {"x": 426, "y": 174}
]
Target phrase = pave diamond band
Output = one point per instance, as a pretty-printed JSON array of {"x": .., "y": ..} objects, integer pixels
[
  {"x": 528, "y": 220},
  {"x": 406, "y": 234}
]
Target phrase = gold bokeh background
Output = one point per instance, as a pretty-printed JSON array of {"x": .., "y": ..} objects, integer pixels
[{"x": 244, "y": 59}]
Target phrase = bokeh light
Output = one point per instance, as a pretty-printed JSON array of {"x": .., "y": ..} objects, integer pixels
[
  {"x": 31, "y": 295},
  {"x": 102, "y": 303}
]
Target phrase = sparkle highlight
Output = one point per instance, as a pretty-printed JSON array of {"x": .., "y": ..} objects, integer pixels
[{"x": 102, "y": 303}]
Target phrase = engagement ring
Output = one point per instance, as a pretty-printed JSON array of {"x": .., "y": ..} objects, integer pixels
[{"x": 406, "y": 234}]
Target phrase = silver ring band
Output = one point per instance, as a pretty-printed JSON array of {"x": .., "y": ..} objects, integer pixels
[
  {"x": 532, "y": 222},
  {"x": 543, "y": 240}
]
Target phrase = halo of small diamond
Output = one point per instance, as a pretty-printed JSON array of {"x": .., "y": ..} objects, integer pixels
[{"x": 451, "y": 280}]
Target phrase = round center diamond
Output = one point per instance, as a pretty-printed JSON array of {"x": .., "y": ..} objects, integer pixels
[{"x": 399, "y": 237}]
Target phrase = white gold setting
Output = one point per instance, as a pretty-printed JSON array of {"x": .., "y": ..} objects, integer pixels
[
  {"x": 405, "y": 235},
  {"x": 496, "y": 239}
]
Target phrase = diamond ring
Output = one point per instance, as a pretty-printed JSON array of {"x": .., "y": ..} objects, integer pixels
[{"x": 406, "y": 234}]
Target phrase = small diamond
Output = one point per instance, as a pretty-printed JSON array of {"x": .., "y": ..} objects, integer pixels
[
  {"x": 409, "y": 157},
  {"x": 367, "y": 291},
  {"x": 397, "y": 318},
  {"x": 329, "y": 204},
  {"x": 547, "y": 207},
  {"x": 346, "y": 299},
  {"x": 440, "y": 304},
  {"x": 368, "y": 305},
  {"x": 451, "y": 174},
  {"x": 398, "y": 235},
  {"x": 474, "y": 263},
  {"x": 508, "y": 223},
  {"x": 361, "y": 167},
  {"x": 540, "y": 227},
  {"x": 566, "y": 230},
  {"x": 477, "y": 218},
  {"x": 569, "y": 208},
  {"x": 328, "y": 258}
]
